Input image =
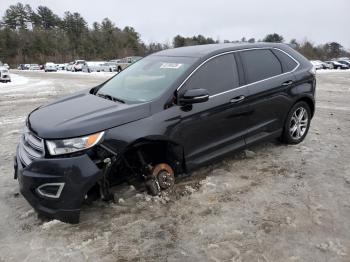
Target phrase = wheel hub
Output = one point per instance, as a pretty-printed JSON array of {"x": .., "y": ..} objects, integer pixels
[{"x": 164, "y": 175}]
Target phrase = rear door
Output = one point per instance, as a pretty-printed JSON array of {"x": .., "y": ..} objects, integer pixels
[
  {"x": 217, "y": 126},
  {"x": 268, "y": 80}
]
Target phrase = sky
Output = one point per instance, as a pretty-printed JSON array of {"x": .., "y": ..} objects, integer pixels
[{"x": 320, "y": 21}]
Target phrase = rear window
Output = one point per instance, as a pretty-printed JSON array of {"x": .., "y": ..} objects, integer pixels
[
  {"x": 288, "y": 63},
  {"x": 260, "y": 64}
]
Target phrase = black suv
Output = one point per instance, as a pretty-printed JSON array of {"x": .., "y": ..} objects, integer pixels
[{"x": 165, "y": 115}]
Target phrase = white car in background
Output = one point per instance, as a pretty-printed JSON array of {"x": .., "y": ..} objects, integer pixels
[
  {"x": 109, "y": 67},
  {"x": 69, "y": 66},
  {"x": 78, "y": 65},
  {"x": 317, "y": 64},
  {"x": 34, "y": 67},
  {"x": 4, "y": 74},
  {"x": 50, "y": 67},
  {"x": 92, "y": 66},
  {"x": 7, "y": 66},
  {"x": 61, "y": 66}
]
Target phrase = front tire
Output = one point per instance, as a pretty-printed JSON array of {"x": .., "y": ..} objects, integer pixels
[{"x": 297, "y": 123}]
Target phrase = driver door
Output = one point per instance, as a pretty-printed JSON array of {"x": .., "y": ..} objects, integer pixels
[{"x": 213, "y": 128}]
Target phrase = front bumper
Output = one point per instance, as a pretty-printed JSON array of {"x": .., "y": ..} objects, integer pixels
[{"x": 76, "y": 174}]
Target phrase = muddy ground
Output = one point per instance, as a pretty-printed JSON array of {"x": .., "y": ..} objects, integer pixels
[{"x": 270, "y": 203}]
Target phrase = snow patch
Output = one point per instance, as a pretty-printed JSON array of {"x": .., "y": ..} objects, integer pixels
[
  {"x": 52, "y": 224},
  {"x": 323, "y": 71},
  {"x": 101, "y": 74},
  {"x": 335, "y": 247},
  {"x": 12, "y": 120},
  {"x": 27, "y": 214},
  {"x": 16, "y": 80}
]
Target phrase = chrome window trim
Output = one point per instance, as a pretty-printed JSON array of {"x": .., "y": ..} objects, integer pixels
[{"x": 235, "y": 51}]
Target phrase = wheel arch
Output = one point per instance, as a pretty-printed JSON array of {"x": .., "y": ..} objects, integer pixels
[
  {"x": 165, "y": 145},
  {"x": 309, "y": 101}
]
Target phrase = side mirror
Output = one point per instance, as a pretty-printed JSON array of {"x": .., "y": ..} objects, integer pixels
[{"x": 193, "y": 96}]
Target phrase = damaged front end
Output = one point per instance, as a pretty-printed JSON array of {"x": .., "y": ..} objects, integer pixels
[{"x": 57, "y": 186}]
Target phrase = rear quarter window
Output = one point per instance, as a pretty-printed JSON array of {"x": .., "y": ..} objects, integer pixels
[
  {"x": 260, "y": 64},
  {"x": 288, "y": 63}
]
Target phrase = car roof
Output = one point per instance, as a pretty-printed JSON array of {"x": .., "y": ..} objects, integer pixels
[{"x": 199, "y": 51}]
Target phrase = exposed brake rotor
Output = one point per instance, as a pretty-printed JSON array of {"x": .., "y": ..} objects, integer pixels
[
  {"x": 162, "y": 178},
  {"x": 165, "y": 175}
]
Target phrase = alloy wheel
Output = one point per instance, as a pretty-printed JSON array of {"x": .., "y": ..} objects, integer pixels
[{"x": 298, "y": 123}]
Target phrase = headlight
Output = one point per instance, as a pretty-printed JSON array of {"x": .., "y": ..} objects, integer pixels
[{"x": 66, "y": 146}]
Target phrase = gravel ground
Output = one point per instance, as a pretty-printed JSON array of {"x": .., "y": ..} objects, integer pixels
[{"x": 269, "y": 203}]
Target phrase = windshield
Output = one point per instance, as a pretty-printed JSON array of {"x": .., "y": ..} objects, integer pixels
[{"x": 146, "y": 79}]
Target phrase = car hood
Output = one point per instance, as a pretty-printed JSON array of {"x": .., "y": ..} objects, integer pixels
[{"x": 83, "y": 114}]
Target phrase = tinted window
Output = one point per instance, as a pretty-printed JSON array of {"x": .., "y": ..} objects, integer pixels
[
  {"x": 260, "y": 64},
  {"x": 288, "y": 63},
  {"x": 217, "y": 75}
]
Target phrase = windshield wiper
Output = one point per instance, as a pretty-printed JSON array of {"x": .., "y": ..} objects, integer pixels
[{"x": 109, "y": 97}]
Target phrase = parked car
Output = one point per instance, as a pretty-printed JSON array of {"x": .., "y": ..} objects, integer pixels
[
  {"x": 78, "y": 65},
  {"x": 23, "y": 66},
  {"x": 108, "y": 67},
  {"x": 69, "y": 67},
  {"x": 6, "y": 66},
  {"x": 171, "y": 113},
  {"x": 345, "y": 62},
  {"x": 337, "y": 65},
  {"x": 125, "y": 62},
  {"x": 34, "y": 67},
  {"x": 61, "y": 66},
  {"x": 92, "y": 66},
  {"x": 50, "y": 67},
  {"x": 4, "y": 74},
  {"x": 326, "y": 66},
  {"x": 322, "y": 65},
  {"x": 317, "y": 64}
]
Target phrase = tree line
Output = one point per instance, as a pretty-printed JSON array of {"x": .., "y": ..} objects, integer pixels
[{"x": 38, "y": 36}]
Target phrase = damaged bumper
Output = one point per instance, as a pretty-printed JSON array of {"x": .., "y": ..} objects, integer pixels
[{"x": 56, "y": 187}]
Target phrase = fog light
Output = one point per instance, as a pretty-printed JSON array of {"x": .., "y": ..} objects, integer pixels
[{"x": 51, "y": 190}]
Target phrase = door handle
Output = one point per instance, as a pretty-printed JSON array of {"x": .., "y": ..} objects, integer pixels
[
  {"x": 237, "y": 99},
  {"x": 287, "y": 83}
]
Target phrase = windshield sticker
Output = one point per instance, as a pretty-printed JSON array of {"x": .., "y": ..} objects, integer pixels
[{"x": 171, "y": 65}]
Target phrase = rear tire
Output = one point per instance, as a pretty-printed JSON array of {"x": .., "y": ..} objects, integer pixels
[{"x": 297, "y": 124}]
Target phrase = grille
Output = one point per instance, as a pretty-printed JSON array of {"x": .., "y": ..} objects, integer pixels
[{"x": 31, "y": 147}]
